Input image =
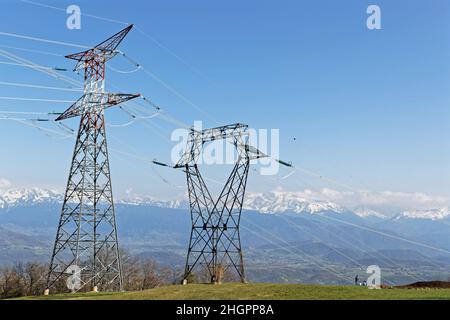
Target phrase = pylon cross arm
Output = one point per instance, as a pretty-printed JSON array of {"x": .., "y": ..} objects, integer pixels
[
  {"x": 102, "y": 52},
  {"x": 90, "y": 100}
]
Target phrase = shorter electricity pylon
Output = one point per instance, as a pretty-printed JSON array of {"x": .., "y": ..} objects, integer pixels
[
  {"x": 215, "y": 244},
  {"x": 86, "y": 249}
]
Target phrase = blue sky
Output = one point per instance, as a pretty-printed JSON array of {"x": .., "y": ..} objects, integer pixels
[{"x": 368, "y": 109}]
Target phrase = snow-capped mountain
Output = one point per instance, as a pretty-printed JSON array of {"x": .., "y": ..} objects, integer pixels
[
  {"x": 366, "y": 212},
  {"x": 279, "y": 201},
  {"x": 29, "y": 196},
  {"x": 272, "y": 202},
  {"x": 20, "y": 197},
  {"x": 434, "y": 214},
  {"x": 148, "y": 200}
]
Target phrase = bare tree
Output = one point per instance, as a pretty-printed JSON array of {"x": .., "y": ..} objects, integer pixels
[{"x": 138, "y": 274}]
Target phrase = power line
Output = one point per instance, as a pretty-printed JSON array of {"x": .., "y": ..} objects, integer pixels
[
  {"x": 298, "y": 226},
  {"x": 147, "y": 123},
  {"x": 13, "y": 119},
  {"x": 373, "y": 251},
  {"x": 32, "y": 50},
  {"x": 382, "y": 233},
  {"x": 32, "y": 123},
  {"x": 368, "y": 229},
  {"x": 388, "y": 235},
  {"x": 23, "y": 63},
  {"x": 37, "y": 99},
  {"x": 130, "y": 155},
  {"x": 39, "y": 68},
  {"x": 322, "y": 177},
  {"x": 311, "y": 258},
  {"x": 140, "y": 30},
  {"x": 19, "y": 36},
  {"x": 133, "y": 120},
  {"x": 169, "y": 88},
  {"x": 149, "y": 73},
  {"x": 141, "y": 158},
  {"x": 27, "y": 85},
  {"x": 26, "y": 65},
  {"x": 24, "y": 112},
  {"x": 124, "y": 71},
  {"x": 163, "y": 114},
  {"x": 378, "y": 253},
  {"x": 159, "y": 44}
]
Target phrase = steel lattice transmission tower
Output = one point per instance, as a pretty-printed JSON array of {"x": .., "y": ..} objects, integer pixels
[
  {"x": 87, "y": 233},
  {"x": 215, "y": 243}
]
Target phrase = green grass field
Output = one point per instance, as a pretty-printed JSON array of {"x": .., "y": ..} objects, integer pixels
[{"x": 259, "y": 292}]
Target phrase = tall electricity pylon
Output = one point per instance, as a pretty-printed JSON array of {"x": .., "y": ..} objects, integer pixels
[
  {"x": 86, "y": 247},
  {"x": 215, "y": 243}
]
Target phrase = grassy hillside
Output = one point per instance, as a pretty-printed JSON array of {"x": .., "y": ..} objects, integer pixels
[{"x": 261, "y": 292}]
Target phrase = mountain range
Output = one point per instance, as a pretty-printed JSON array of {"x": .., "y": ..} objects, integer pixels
[
  {"x": 285, "y": 238},
  {"x": 277, "y": 201}
]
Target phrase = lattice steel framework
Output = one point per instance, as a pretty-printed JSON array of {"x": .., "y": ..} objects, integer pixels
[
  {"x": 87, "y": 232},
  {"x": 215, "y": 243}
]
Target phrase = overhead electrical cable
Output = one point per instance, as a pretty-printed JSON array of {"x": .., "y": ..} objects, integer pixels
[
  {"x": 51, "y": 71},
  {"x": 24, "y": 112},
  {"x": 32, "y": 50},
  {"x": 39, "y": 68},
  {"x": 26, "y": 65},
  {"x": 357, "y": 263},
  {"x": 424, "y": 245},
  {"x": 19, "y": 36},
  {"x": 140, "y": 30},
  {"x": 27, "y": 85},
  {"x": 171, "y": 89},
  {"x": 37, "y": 99},
  {"x": 123, "y": 71},
  {"x": 286, "y": 246}
]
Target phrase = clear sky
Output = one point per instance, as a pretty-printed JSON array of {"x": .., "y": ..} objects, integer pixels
[{"x": 367, "y": 108}]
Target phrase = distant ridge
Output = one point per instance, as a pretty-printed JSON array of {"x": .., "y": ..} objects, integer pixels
[{"x": 274, "y": 202}]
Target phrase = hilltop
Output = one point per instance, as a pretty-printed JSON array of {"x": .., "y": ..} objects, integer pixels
[{"x": 259, "y": 291}]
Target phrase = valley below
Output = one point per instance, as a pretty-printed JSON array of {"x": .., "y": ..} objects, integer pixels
[{"x": 321, "y": 247}]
